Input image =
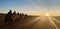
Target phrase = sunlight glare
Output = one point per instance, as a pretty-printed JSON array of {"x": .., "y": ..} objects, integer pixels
[
  {"x": 47, "y": 14},
  {"x": 52, "y": 22}
]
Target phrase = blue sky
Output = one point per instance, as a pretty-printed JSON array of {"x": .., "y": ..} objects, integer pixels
[{"x": 30, "y": 6}]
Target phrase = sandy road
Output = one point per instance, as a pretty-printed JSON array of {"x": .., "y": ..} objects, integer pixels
[{"x": 34, "y": 23}]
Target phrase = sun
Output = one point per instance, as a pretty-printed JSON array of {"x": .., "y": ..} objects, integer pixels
[{"x": 47, "y": 14}]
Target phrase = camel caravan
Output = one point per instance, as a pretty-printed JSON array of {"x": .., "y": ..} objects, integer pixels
[{"x": 13, "y": 17}]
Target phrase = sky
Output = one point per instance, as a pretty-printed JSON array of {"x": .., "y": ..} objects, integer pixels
[{"x": 32, "y": 7}]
